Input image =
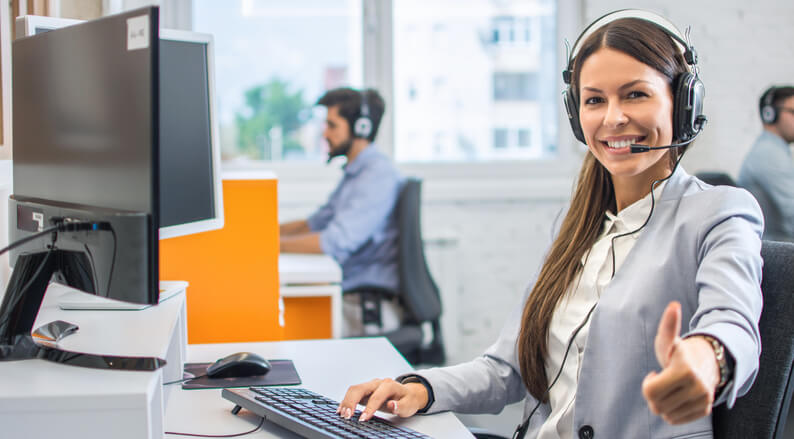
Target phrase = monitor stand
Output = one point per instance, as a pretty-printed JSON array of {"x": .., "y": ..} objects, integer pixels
[{"x": 21, "y": 304}]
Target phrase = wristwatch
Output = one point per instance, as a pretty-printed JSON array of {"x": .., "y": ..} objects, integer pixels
[
  {"x": 413, "y": 378},
  {"x": 722, "y": 360}
]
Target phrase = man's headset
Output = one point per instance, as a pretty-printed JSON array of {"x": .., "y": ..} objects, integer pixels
[
  {"x": 768, "y": 110},
  {"x": 688, "y": 90},
  {"x": 362, "y": 127}
]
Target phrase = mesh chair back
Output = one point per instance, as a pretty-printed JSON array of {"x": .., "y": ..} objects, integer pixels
[
  {"x": 419, "y": 292},
  {"x": 762, "y": 412}
]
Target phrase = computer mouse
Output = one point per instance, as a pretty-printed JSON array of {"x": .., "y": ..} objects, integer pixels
[{"x": 241, "y": 364}]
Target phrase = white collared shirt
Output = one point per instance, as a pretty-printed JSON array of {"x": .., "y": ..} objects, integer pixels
[{"x": 582, "y": 295}]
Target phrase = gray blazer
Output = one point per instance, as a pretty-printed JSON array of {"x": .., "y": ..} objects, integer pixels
[{"x": 702, "y": 248}]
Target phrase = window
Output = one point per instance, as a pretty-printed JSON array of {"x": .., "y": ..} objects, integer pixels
[
  {"x": 515, "y": 86},
  {"x": 510, "y": 30},
  {"x": 513, "y": 138},
  {"x": 453, "y": 72},
  {"x": 500, "y": 138},
  {"x": 274, "y": 59},
  {"x": 476, "y": 70},
  {"x": 523, "y": 138}
]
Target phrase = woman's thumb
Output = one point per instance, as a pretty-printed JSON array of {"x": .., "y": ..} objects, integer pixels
[{"x": 667, "y": 335}]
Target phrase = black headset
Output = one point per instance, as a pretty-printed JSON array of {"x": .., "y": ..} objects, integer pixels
[
  {"x": 688, "y": 90},
  {"x": 362, "y": 127},
  {"x": 768, "y": 110}
]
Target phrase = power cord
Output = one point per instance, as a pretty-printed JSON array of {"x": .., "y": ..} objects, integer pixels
[
  {"x": 261, "y": 423},
  {"x": 184, "y": 379},
  {"x": 27, "y": 239},
  {"x": 60, "y": 226}
]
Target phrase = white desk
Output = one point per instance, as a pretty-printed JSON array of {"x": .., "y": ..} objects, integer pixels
[
  {"x": 304, "y": 275},
  {"x": 325, "y": 366},
  {"x": 41, "y": 399}
]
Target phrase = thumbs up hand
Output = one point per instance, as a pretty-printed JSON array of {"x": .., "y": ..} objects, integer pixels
[{"x": 684, "y": 389}]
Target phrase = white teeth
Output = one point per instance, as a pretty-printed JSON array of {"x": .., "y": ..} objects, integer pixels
[{"x": 621, "y": 143}]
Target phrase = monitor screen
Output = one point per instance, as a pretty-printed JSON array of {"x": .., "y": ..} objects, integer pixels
[{"x": 191, "y": 195}]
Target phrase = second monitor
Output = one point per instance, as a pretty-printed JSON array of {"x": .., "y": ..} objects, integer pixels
[{"x": 191, "y": 196}]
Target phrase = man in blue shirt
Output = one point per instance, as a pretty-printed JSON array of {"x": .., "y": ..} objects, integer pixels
[
  {"x": 768, "y": 169},
  {"x": 357, "y": 226}
]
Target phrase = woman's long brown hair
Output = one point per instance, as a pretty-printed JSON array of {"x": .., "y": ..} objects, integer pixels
[{"x": 592, "y": 197}]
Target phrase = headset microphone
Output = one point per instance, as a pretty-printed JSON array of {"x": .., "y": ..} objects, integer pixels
[
  {"x": 645, "y": 148},
  {"x": 636, "y": 148}
]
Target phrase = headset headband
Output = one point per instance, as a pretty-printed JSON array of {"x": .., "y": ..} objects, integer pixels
[
  {"x": 769, "y": 95},
  {"x": 690, "y": 56}
]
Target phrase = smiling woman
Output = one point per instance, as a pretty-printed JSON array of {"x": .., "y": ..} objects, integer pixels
[{"x": 604, "y": 345}]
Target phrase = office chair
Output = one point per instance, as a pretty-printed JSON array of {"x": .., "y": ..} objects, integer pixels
[
  {"x": 418, "y": 293},
  {"x": 716, "y": 178},
  {"x": 762, "y": 412}
]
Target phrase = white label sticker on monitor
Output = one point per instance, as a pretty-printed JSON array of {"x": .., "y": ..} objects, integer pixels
[{"x": 138, "y": 32}]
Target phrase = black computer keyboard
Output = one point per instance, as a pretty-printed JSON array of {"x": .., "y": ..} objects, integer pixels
[{"x": 311, "y": 415}]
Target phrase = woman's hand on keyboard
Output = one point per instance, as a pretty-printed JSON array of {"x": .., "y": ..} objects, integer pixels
[{"x": 385, "y": 395}]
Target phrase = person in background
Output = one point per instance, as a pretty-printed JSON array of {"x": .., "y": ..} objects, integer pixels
[
  {"x": 357, "y": 226},
  {"x": 645, "y": 312},
  {"x": 768, "y": 169}
]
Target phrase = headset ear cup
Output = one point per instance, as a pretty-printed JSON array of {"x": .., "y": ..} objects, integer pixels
[
  {"x": 572, "y": 109},
  {"x": 362, "y": 127},
  {"x": 687, "y": 106},
  {"x": 768, "y": 114}
]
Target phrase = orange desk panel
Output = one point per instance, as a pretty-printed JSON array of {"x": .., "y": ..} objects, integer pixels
[
  {"x": 232, "y": 273},
  {"x": 307, "y": 318}
]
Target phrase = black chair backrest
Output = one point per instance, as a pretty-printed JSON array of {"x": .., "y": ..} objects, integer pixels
[
  {"x": 716, "y": 178},
  {"x": 419, "y": 292},
  {"x": 762, "y": 412}
]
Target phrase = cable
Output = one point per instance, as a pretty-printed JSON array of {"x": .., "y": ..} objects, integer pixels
[
  {"x": 261, "y": 423},
  {"x": 26, "y": 239},
  {"x": 522, "y": 428},
  {"x": 648, "y": 218},
  {"x": 60, "y": 226},
  {"x": 19, "y": 297},
  {"x": 113, "y": 259},
  {"x": 184, "y": 379}
]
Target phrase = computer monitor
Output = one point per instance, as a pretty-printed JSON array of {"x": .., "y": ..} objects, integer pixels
[
  {"x": 191, "y": 195},
  {"x": 86, "y": 168}
]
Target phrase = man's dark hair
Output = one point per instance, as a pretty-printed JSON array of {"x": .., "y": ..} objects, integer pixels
[
  {"x": 348, "y": 101},
  {"x": 773, "y": 95}
]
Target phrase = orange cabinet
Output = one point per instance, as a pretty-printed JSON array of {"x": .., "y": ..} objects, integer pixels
[{"x": 233, "y": 278}]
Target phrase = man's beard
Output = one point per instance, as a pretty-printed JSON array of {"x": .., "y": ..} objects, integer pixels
[{"x": 341, "y": 149}]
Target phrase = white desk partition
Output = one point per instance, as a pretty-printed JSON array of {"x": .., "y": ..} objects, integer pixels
[
  {"x": 41, "y": 399},
  {"x": 309, "y": 275},
  {"x": 325, "y": 366}
]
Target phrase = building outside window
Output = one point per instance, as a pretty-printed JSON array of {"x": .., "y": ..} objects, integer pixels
[{"x": 496, "y": 63}]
